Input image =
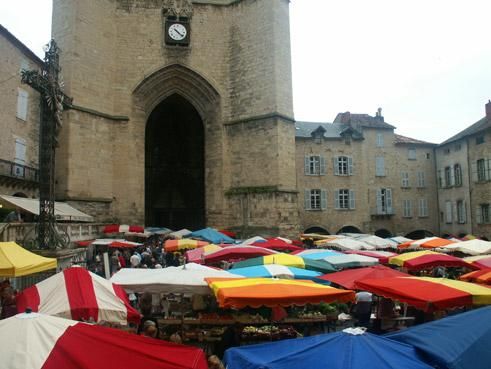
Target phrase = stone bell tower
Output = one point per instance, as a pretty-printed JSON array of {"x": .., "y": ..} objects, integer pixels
[{"x": 182, "y": 113}]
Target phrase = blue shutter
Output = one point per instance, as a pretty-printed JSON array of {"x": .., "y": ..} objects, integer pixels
[
  {"x": 307, "y": 165},
  {"x": 323, "y": 199},
  {"x": 351, "y": 199},
  {"x": 307, "y": 200}
]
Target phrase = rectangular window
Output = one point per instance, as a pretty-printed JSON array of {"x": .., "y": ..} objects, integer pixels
[
  {"x": 407, "y": 211},
  {"x": 315, "y": 165},
  {"x": 457, "y": 175},
  {"x": 343, "y": 166},
  {"x": 421, "y": 179},
  {"x": 380, "y": 140},
  {"x": 481, "y": 170},
  {"x": 423, "y": 208},
  {"x": 457, "y": 147},
  {"x": 448, "y": 212},
  {"x": 461, "y": 217},
  {"x": 384, "y": 201},
  {"x": 483, "y": 214},
  {"x": 380, "y": 166},
  {"x": 22, "y": 102},
  {"x": 448, "y": 176},
  {"x": 345, "y": 199},
  {"x": 315, "y": 199},
  {"x": 411, "y": 153},
  {"x": 405, "y": 179},
  {"x": 479, "y": 140}
]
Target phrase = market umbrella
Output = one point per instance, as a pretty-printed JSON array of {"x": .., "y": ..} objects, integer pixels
[
  {"x": 348, "y": 278},
  {"x": 350, "y": 261},
  {"x": 79, "y": 294},
  {"x": 418, "y": 260},
  {"x": 471, "y": 247},
  {"x": 350, "y": 349},
  {"x": 211, "y": 235},
  {"x": 481, "y": 261},
  {"x": 123, "y": 228},
  {"x": 382, "y": 256},
  {"x": 197, "y": 255},
  {"x": 288, "y": 260},
  {"x": 184, "y": 244},
  {"x": 277, "y": 244},
  {"x": 273, "y": 292},
  {"x": 16, "y": 261},
  {"x": 428, "y": 294},
  {"x": 316, "y": 254},
  {"x": 456, "y": 342},
  {"x": 348, "y": 244},
  {"x": 479, "y": 276},
  {"x": 426, "y": 243},
  {"x": 230, "y": 253},
  {"x": 276, "y": 271},
  {"x": 124, "y": 245},
  {"x": 379, "y": 242},
  {"x": 189, "y": 278},
  {"x": 38, "y": 341},
  {"x": 400, "y": 239}
]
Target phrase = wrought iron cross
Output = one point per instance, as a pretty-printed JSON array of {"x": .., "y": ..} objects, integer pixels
[{"x": 52, "y": 103}]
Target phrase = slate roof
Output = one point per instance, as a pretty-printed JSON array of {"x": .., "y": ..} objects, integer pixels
[
  {"x": 362, "y": 120},
  {"x": 479, "y": 126},
  {"x": 398, "y": 139},
  {"x": 305, "y": 129}
]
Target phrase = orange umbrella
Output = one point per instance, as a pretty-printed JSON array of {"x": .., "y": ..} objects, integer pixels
[
  {"x": 184, "y": 244},
  {"x": 426, "y": 243},
  {"x": 478, "y": 276},
  {"x": 256, "y": 292}
]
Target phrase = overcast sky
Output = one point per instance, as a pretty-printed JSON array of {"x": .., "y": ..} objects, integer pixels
[{"x": 426, "y": 63}]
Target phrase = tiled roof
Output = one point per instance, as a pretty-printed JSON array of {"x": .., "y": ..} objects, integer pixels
[
  {"x": 398, "y": 139},
  {"x": 480, "y": 125},
  {"x": 362, "y": 120},
  {"x": 17, "y": 43}
]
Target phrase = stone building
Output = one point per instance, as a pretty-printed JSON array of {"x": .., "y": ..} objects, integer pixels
[
  {"x": 356, "y": 175},
  {"x": 19, "y": 117},
  {"x": 464, "y": 164}
]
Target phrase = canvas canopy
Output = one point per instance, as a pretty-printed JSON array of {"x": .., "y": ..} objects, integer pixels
[
  {"x": 37, "y": 341},
  {"x": 16, "y": 261},
  {"x": 348, "y": 278},
  {"x": 189, "y": 278},
  {"x": 349, "y": 244},
  {"x": 426, "y": 243},
  {"x": 211, "y": 235},
  {"x": 379, "y": 242},
  {"x": 471, "y": 247},
  {"x": 349, "y": 349},
  {"x": 276, "y": 271},
  {"x": 63, "y": 211},
  {"x": 418, "y": 260}
]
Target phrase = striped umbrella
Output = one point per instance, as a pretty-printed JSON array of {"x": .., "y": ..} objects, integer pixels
[
  {"x": 426, "y": 243},
  {"x": 479, "y": 276},
  {"x": 123, "y": 228},
  {"x": 471, "y": 247},
  {"x": 481, "y": 261},
  {"x": 256, "y": 292},
  {"x": 428, "y": 294},
  {"x": 276, "y": 271},
  {"x": 418, "y": 260},
  {"x": 78, "y": 294},
  {"x": 348, "y": 278},
  {"x": 184, "y": 244},
  {"x": 197, "y": 255},
  {"x": 288, "y": 260},
  {"x": 382, "y": 256},
  {"x": 350, "y": 261}
]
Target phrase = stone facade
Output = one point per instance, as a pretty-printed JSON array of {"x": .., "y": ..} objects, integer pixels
[
  {"x": 354, "y": 193},
  {"x": 19, "y": 116}
]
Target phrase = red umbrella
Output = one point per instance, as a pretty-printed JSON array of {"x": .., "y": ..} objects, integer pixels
[
  {"x": 418, "y": 260},
  {"x": 122, "y": 228},
  {"x": 479, "y": 276},
  {"x": 84, "y": 243},
  {"x": 236, "y": 253},
  {"x": 348, "y": 278},
  {"x": 277, "y": 244},
  {"x": 124, "y": 244}
]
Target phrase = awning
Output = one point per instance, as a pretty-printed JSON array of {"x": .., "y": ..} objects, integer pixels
[{"x": 63, "y": 211}]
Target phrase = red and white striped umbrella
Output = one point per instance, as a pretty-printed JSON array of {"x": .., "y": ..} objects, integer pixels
[
  {"x": 123, "y": 228},
  {"x": 79, "y": 294},
  {"x": 38, "y": 341}
]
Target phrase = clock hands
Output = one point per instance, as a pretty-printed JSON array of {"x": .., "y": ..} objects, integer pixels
[{"x": 179, "y": 33}]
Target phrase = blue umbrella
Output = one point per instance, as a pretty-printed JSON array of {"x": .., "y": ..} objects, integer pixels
[
  {"x": 339, "y": 350},
  {"x": 456, "y": 342},
  {"x": 211, "y": 235},
  {"x": 278, "y": 271},
  {"x": 319, "y": 255}
]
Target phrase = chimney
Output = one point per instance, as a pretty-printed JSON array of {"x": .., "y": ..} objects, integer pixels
[
  {"x": 346, "y": 117},
  {"x": 378, "y": 115},
  {"x": 488, "y": 110}
]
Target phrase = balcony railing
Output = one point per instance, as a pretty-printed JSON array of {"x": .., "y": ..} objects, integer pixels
[
  {"x": 18, "y": 171},
  {"x": 382, "y": 211}
]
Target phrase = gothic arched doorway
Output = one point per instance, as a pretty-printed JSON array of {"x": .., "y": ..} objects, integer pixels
[{"x": 174, "y": 166}]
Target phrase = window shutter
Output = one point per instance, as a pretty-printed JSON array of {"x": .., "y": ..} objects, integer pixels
[
  {"x": 379, "y": 166},
  {"x": 337, "y": 202},
  {"x": 474, "y": 171},
  {"x": 379, "y": 201},
  {"x": 455, "y": 213},
  {"x": 323, "y": 165},
  {"x": 452, "y": 176},
  {"x": 388, "y": 195},
  {"x": 335, "y": 161},
  {"x": 351, "y": 199},
  {"x": 323, "y": 199},
  {"x": 307, "y": 200},
  {"x": 22, "y": 99},
  {"x": 488, "y": 169},
  {"x": 479, "y": 215},
  {"x": 350, "y": 166},
  {"x": 307, "y": 165},
  {"x": 464, "y": 212},
  {"x": 20, "y": 151}
]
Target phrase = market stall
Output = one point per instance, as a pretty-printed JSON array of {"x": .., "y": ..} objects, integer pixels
[
  {"x": 478, "y": 276},
  {"x": 348, "y": 278},
  {"x": 288, "y": 260},
  {"x": 382, "y": 256},
  {"x": 212, "y": 236},
  {"x": 277, "y": 271},
  {"x": 480, "y": 261},
  {"x": 183, "y": 244},
  {"x": 234, "y": 253},
  {"x": 16, "y": 261},
  {"x": 471, "y": 247},
  {"x": 426, "y": 243},
  {"x": 419, "y": 260}
]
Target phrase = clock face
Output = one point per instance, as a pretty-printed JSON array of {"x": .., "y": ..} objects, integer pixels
[{"x": 177, "y": 32}]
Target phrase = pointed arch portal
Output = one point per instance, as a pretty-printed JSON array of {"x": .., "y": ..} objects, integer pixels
[{"x": 174, "y": 166}]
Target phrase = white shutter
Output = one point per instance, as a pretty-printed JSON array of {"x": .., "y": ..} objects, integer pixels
[
  {"x": 474, "y": 171},
  {"x": 455, "y": 213},
  {"x": 308, "y": 204},
  {"x": 323, "y": 199},
  {"x": 322, "y": 161},
  {"x": 452, "y": 176},
  {"x": 351, "y": 199},
  {"x": 488, "y": 169},
  {"x": 464, "y": 212},
  {"x": 388, "y": 200},
  {"x": 22, "y": 102},
  {"x": 479, "y": 215},
  {"x": 448, "y": 212},
  {"x": 335, "y": 162},
  {"x": 20, "y": 151},
  {"x": 379, "y": 201},
  {"x": 350, "y": 166},
  {"x": 307, "y": 165},
  {"x": 337, "y": 202},
  {"x": 379, "y": 166}
]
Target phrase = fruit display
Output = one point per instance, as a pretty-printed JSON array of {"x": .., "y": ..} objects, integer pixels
[
  {"x": 269, "y": 332},
  {"x": 311, "y": 315},
  {"x": 249, "y": 318}
]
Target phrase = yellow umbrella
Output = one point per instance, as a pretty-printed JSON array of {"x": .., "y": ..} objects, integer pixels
[{"x": 16, "y": 261}]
